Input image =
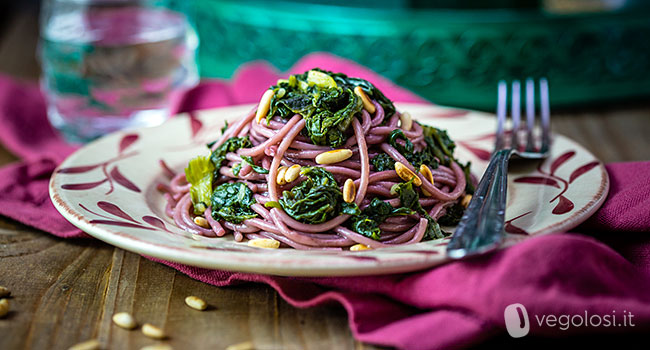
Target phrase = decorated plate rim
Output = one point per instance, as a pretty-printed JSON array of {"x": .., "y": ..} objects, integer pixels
[{"x": 360, "y": 263}]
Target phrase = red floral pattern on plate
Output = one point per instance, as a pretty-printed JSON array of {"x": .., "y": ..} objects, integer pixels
[
  {"x": 114, "y": 175},
  {"x": 154, "y": 223},
  {"x": 550, "y": 178}
]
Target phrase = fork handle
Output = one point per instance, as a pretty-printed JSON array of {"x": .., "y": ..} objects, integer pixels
[{"x": 481, "y": 227}]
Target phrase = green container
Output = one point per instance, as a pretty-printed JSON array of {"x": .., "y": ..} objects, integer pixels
[{"x": 450, "y": 56}]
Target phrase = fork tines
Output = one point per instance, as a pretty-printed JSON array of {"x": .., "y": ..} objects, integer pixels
[{"x": 533, "y": 138}]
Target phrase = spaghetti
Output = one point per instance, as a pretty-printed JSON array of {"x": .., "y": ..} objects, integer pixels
[{"x": 280, "y": 172}]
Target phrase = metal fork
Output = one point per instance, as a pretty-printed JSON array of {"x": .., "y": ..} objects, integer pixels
[{"x": 481, "y": 227}]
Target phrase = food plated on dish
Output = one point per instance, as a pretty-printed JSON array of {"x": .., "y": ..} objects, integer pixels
[
  {"x": 116, "y": 190},
  {"x": 325, "y": 161}
]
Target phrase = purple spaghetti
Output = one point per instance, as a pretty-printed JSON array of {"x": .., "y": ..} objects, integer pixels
[{"x": 323, "y": 162}]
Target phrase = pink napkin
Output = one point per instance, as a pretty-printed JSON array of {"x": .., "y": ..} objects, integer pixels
[{"x": 566, "y": 276}]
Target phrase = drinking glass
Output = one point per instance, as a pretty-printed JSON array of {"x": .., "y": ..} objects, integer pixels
[{"x": 113, "y": 64}]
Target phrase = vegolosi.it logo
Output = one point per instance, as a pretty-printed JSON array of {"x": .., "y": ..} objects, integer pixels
[{"x": 518, "y": 323}]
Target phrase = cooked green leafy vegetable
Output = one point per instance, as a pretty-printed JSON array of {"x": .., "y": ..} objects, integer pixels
[
  {"x": 439, "y": 144},
  {"x": 256, "y": 168},
  {"x": 326, "y": 101},
  {"x": 199, "y": 173},
  {"x": 443, "y": 147},
  {"x": 469, "y": 185},
  {"x": 453, "y": 215},
  {"x": 236, "y": 169},
  {"x": 440, "y": 149},
  {"x": 370, "y": 90},
  {"x": 218, "y": 156},
  {"x": 232, "y": 202},
  {"x": 382, "y": 162},
  {"x": 403, "y": 145},
  {"x": 316, "y": 199},
  {"x": 367, "y": 223},
  {"x": 409, "y": 198}
]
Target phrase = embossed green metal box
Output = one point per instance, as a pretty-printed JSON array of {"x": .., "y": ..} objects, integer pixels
[{"x": 450, "y": 56}]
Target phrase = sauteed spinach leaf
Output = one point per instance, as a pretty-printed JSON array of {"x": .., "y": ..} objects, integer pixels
[
  {"x": 382, "y": 162},
  {"x": 409, "y": 198},
  {"x": 316, "y": 199},
  {"x": 232, "y": 202},
  {"x": 367, "y": 223},
  {"x": 218, "y": 156},
  {"x": 326, "y": 101}
]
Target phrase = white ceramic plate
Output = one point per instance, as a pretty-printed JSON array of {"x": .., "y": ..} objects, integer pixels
[{"x": 108, "y": 189}]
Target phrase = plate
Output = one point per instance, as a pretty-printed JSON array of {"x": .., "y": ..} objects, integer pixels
[{"x": 108, "y": 189}]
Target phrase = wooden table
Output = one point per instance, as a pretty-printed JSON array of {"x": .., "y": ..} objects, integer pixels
[{"x": 65, "y": 291}]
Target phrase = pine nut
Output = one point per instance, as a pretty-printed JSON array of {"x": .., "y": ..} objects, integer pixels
[
  {"x": 265, "y": 105},
  {"x": 157, "y": 347},
  {"x": 201, "y": 221},
  {"x": 92, "y": 344},
  {"x": 281, "y": 92},
  {"x": 280, "y": 177},
  {"x": 4, "y": 292},
  {"x": 247, "y": 345},
  {"x": 4, "y": 307},
  {"x": 264, "y": 243},
  {"x": 335, "y": 156},
  {"x": 406, "y": 174},
  {"x": 367, "y": 104},
  {"x": 465, "y": 201},
  {"x": 292, "y": 173},
  {"x": 358, "y": 247},
  {"x": 152, "y": 331},
  {"x": 196, "y": 303},
  {"x": 349, "y": 191},
  {"x": 426, "y": 172},
  {"x": 124, "y": 320},
  {"x": 406, "y": 121}
]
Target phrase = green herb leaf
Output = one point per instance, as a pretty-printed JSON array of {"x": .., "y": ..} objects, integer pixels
[
  {"x": 326, "y": 101},
  {"x": 320, "y": 79},
  {"x": 382, "y": 162},
  {"x": 236, "y": 169},
  {"x": 218, "y": 156},
  {"x": 258, "y": 169},
  {"x": 373, "y": 215},
  {"x": 272, "y": 204},
  {"x": 453, "y": 215},
  {"x": 409, "y": 198},
  {"x": 232, "y": 202},
  {"x": 316, "y": 199},
  {"x": 344, "y": 81},
  {"x": 426, "y": 156},
  {"x": 469, "y": 187},
  {"x": 365, "y": 226},
  {"x": 199, "y": 173},
  {"x": 350, "y": 208},
  {"x": 441, "y": 145}
]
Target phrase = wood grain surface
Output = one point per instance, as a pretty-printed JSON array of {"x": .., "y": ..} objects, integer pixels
[{"x": 65, "y": 291}]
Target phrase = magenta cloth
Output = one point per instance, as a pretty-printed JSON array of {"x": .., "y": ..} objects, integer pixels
[{"x": 454, "y": 305}]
